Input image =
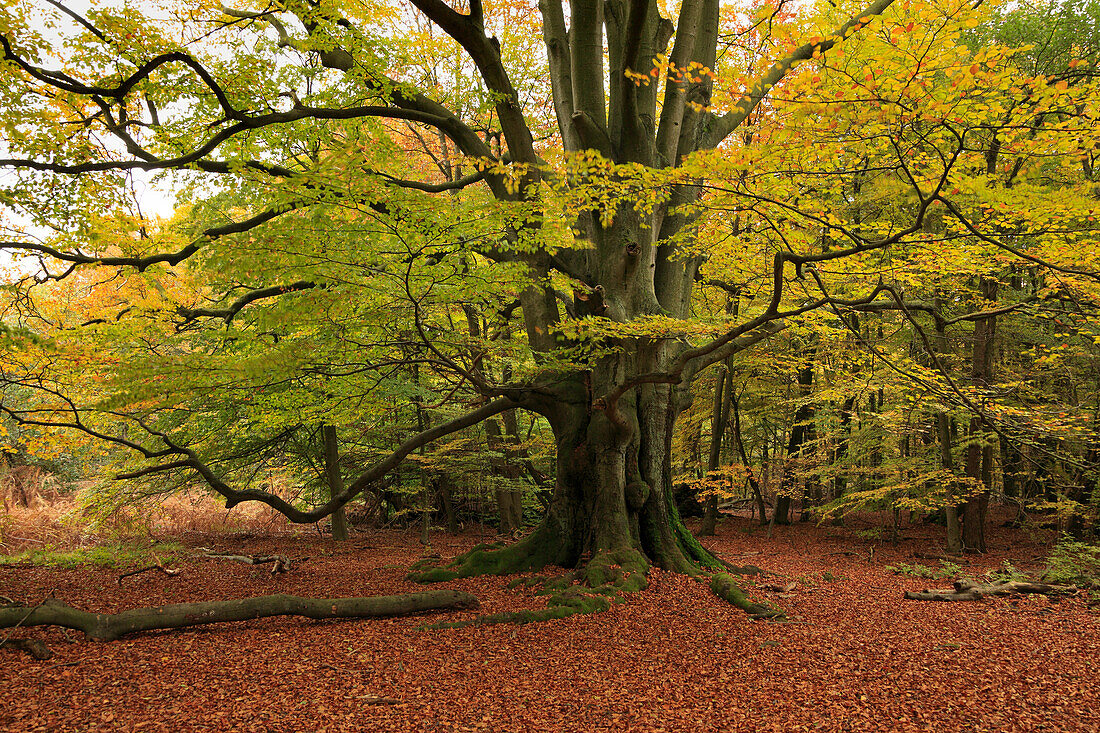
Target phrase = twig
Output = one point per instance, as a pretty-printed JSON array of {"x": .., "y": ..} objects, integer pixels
[
  {"x": 157, "y": 566},
  {"x": 62, "y": 664}
]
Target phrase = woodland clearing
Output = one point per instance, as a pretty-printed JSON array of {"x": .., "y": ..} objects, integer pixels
[{"x": 852, "y": 654}]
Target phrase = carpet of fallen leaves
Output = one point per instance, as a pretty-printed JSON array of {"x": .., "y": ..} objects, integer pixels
[{"x": 852, "y": 655}]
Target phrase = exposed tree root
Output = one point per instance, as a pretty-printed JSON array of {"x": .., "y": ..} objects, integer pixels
[
  {"x": 591, "y": 588},
  {"x": 969, "y": 590},
  {"x": 725, "y": 587},
  {"x": 108, "y": 627},
  {"x": 570, "y": 602}
]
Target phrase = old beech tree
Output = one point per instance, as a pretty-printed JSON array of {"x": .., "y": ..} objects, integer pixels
[{"x": 630, "y": 88}]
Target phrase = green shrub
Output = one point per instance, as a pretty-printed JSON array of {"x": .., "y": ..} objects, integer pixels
[
  {"x": 1073, "y": 562},
  {"x": 1007, "y": 573},
  {"x": 946, "y": 570}
]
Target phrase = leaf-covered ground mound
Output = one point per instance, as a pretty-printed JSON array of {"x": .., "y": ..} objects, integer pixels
[{"x": 851, "y": 655}]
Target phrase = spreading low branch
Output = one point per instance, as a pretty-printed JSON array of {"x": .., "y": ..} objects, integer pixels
[{"x": 108, "y": 626}]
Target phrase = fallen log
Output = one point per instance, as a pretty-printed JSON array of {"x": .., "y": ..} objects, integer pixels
[
  {"x": 970, "y": 590},
  {"x": 108, "y": 627},
  {"x": 34, "y": 647}
]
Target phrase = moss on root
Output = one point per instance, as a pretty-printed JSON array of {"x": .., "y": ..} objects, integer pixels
[
  {"x": 434, "y": 575},
  {"x": 571, "y": 602},
  {"x": 558, "y": 583},
  {"x": 603, "y": 581},
  {"x": 533, "y": 553},
  {"x": 622, "y": 570},
  {"x": 725, "y": 587}
]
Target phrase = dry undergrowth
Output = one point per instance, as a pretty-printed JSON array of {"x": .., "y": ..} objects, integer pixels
[{"x": 56, "y": 522}]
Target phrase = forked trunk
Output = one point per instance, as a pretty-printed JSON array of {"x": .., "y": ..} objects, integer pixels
[
  {"x": 614, "y": 487},
  {"x": 613, "y": 494}
]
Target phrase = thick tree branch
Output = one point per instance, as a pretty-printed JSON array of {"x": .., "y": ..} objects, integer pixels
[
  {"x": 485, "y": 53},
  {"x": 729, "y": 122},
  {"x": 371, "y": 475},
  {"x": 233, "y": 309},
  {"x": 171, "y": 258},
  {"x": 66, "y": 83}
]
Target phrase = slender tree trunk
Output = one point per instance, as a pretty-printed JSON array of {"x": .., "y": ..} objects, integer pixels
[
  {"x": 335, "y": 480},
  {"x": 979, "y": 452},
  {"x": 506, "y": 472},
  {"x": 802, "y": 435},
  {"x": 514, "y": 467},
  {"x": 946, "y": 441},
  {"x": 718, "y": 418},
  {"x": 739, "y": 442},
  {"x": 445, "y": 489},
  {"x": 840, "y": 454}
]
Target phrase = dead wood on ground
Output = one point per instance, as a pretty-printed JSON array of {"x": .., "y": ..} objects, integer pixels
[
  {"x": 970, "y": 590},
  {"x": 281, "y": 563},
  {"x": 108, "y": 627}
]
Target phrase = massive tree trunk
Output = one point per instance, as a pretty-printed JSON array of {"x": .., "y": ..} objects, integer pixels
[
  {"x": 613, "y": 498},
  {"x": 614, "y": 490}
]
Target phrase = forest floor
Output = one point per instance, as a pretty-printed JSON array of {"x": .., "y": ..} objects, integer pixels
[{"x": 852, "y": 655}]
